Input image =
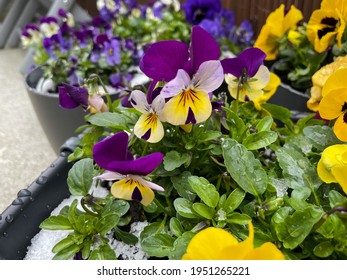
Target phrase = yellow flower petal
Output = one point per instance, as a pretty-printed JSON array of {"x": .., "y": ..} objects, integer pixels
[
  {"x": 149, "y": 128},
  {"x": 269, "y": 91},
  {"x": 339, "y": 173},
  {"x": 336, "y": 80},
  {"x": 130, "y": 189},
  {"x": 208, "y": 244},
  {"x": 189, "y": 106},
  {"x": 333, "y": 103},
  {"x": 291, "y": 19},
  {"x": 340, "y": 127},
  {"x": 267, "y": 251},
  {"x": 324, "y": 172},
  {"x": 333, "y": 157}
]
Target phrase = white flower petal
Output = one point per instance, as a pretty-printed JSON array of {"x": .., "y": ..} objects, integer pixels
[
  {"x": 260, "y": 79},
  {"x": 148, "y": 184},
  {"x": 158, "y": 104},
  {"x": 110, "y": 176},
  {"x": 209, "y": 76},
  {"x": 177, "y": 85},
  {"x": 139, "y": 101}
]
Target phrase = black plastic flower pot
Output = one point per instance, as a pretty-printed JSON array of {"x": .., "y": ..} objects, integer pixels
[
  {"x": 57, "y": 123},
  {"x": 290, "y": 98},
  {"x": 20, "y": 221}
]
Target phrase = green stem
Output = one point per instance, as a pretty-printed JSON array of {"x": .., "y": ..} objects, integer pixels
[
  {"x": 161, "y": 206},
  {"x": 109, "y": 101}
]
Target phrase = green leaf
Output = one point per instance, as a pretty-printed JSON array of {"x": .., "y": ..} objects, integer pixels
[
  {"x": 68, "y": 252},
  {"x": 119, "y": 207},
  {"x": 126, "y": 237},
  {"x": 104, "y": 252},
  {"x": 204, "y": 210},
  {"x": 152, "y": 229},
  {"x": 56, "y": 223},
  {"x": 182, "y": 186},
  {"x": 236, "y": 125},
  {"x": 337, "y": 199},
  {"x": 174, "y": 159},
  {"x": 80, "y": 177},
  {"x": 323, "y": 249},
  {"x": 299, "y": 173},
  {"x": 176, "y": 227},
  {"x": 63, "y": 244},
  {"x": 238, "y": 218},
  {"x": 259, "y": 140},
  {"x": 264, "y": 124},
  {"x": 244, "y": 168},
  {"x": 234, "y": 200},
  {"x": 106, "y": 223},
  {"x": 180, "y": 245},
  {"x": 280, "y": 113},
  {"x": 107, "y": 119},
  {"x": 321, "y": 136},
  {"x": 158, "y": 245},
  {"x": 206, "y": 191},
  {"x": 293, "y": 229},
  {"x": 209, "y": 135},
  {"x": 185, "y": 208}
]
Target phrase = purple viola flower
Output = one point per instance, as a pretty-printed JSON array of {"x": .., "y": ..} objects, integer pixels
[
  {"x": 246, "y": 75},
  {"x": 198, "y": 10},
  {"x": 162, "y": 60},
  {"x": 112, "y": 52},
  {"x": 112, "y": 154},
  {"x": 71, "y": 97},
  {"x": 191, "y": 73},
  {"x": 28, "y": 28}
]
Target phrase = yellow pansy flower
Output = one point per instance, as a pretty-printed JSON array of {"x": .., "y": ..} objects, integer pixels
[
  {"x": 332, "y": 167},
  {"x": 319, "y": 79},
  {"x": 218, "y": 244},
  {"x": 327, "y": 24},
  {"x": 334, "y": 102},
  {"x": 277, "y": 25}
]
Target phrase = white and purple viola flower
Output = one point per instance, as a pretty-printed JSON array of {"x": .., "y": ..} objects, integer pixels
[
  {"x": 49, "y": 26},
  {"x": 112, "y": 154},
  {"x": 191, "y": 72},
  {"x": 149, "y": 126},
  {"x": 246, "y": 75}
]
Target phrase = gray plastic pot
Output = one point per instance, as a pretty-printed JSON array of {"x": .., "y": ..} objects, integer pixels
[
  {"x": 20, "y": 221},
  {"x": 57, "y": 123}
]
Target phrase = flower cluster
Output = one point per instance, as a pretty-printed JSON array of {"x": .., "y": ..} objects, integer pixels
[
  {"x": 299, "y": 48},
  {"x": 114, "y": 41},
  {"x": 200, "y": 155}
]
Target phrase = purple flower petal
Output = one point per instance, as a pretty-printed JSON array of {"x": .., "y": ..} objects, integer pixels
[
  {"x": 203, "y": 48},
  {"x": 162, "y": 60},
  {"x": 253, "y": 58},
  {"x": 112, "y": 155},
  {"x": 233, "y": 66},
  {"x": 77, "y": 94},
  {"x": 65, "y": 101}
]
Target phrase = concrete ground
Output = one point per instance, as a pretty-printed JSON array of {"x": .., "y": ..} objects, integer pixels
[{"x": 24, "y": 149}]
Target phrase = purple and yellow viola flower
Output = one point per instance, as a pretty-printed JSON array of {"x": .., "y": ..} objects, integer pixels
[
  {"x": 49, "y": 26},
  {"x": 71, "y": 97},
  {"x": 218, "y": 244},
  {"x": 149, "y": 126},
  {"x": 332, "y": 167},
  {"x": 191, "y": 74},
  {"x": 246, "y": 75},
  {"x": 112, "y": 154},
  {"x": 334, "y": 102}
]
